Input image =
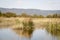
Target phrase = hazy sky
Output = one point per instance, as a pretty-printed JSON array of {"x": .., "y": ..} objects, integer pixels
[{"x": 31, "y": 4}]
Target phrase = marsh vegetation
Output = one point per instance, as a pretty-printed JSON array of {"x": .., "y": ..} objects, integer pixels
[
  {"x": 53, "y": 28},
  {"x": 25, "y": 25}
]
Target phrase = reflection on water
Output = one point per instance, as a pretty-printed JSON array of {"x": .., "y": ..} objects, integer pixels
[
  {"x": 8, "y": 34},
  {"x": 40, "y": 34}
]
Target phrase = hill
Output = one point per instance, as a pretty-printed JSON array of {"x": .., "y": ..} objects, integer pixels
[{"x": 30, "y": 11}]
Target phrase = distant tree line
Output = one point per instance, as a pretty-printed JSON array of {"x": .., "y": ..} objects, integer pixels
[
  {"x": 7, "y": 14},
  {"x": 10, "y": 14},
  {"x": 53, "y": 16}
]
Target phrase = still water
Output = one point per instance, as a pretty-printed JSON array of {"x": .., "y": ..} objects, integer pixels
[{"x": 38, "y": 34}]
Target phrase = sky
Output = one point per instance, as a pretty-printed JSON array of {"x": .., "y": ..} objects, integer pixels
[{"x": 31, "y": 4}]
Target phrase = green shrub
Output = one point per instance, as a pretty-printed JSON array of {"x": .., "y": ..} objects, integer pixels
[
  {"x": 53, "y": 28},
  {"x": 24, "y": 26},
  {"x": 28, "y": 27}
]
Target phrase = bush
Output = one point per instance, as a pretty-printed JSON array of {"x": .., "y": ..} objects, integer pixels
[
  {"x": 53, "y": 28},
  {"x": 30, "y": 24},
  {"x": 28, "y": 27}
]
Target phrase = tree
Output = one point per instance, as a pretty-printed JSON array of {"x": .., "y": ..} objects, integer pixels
[
  {"x": 49, "y": 16},
  {"x": 10, "y": 14},
  {"x": 55, "y": 15},
  {"x": 24, "y": 15},
  {"x": 41, "y": 16},
  {"x": 35, "y": 16},
  {"x": 58, "y": 15},
  {"x": 0, "y": 13}
]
